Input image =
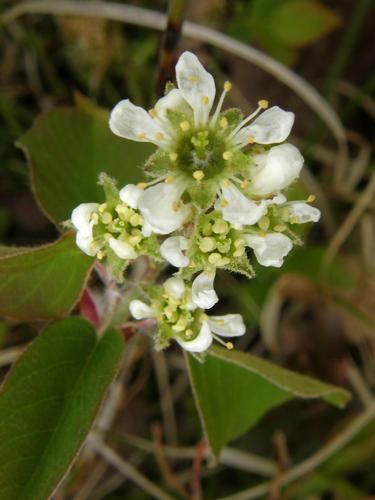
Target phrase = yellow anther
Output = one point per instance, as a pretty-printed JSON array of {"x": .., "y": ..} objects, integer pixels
[
  {"x": 227, "y": 155},
  {"x": 185, "y": 125},
  {"x": 107, "y": 236},
  {"x": 207, "y": 244},
  {"x": 189, "y": 333},
  {"x": 205, "y": 100},
  {"x": 295, "y": 220},
  {"x": 239, "y": 242},
  {"x": 103, "y": 207},
  {"x": 198, "y": 175},
  {"x": 152, "y": 112},
  {"x": 311, "y": 198},
  {"x": 142, "y": 135},
  {"x": 263, "y": 103},
  {"x": 169, "y": 180},
  {"x": 279, "y": 228},
  {"x": 224, "y": 203},
  {"x": 227, "y": 86},
  {"x": 142, "y": 185},
  {"x": 193, "y": 78},
  {"x": 223, "y": 123},
  {"x": 100, "y": 255},
  {"x": 176, "y": 205},
  {"x": 264, "y": 223},
  {"x": 95, "y": 217},
  {"x": 214, "y": 258},
  {"x": 229, "y": 346},
  {"x": 173, "y": 156},
  {"x": 226, "y": 183},
  {"x": 239, "y": 252},
  {"x": 251, "y": 139},
  {"x": 159, "y": 136},
  {"x": 220, "y": 227},
  {"x": 245, "y": 184},
  {"x": 106, "y": 218}
]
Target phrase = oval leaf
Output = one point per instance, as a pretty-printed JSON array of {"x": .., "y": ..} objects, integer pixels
[
  {"x": 48, "y": 403},
  {"x": 233, "y": 390},
  {"x": 67, "y": 148},
  {"x": 43, "y": 282}
]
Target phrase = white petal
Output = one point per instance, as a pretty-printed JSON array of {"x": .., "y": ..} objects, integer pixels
[
  {"x": 140, "y": 310},
  {"x": 229, "y": 325},
  {"x": 86, "y": 244},
  {"x": 175, "y": 287},
  {"x": 239, "y": 209},
  {"x": 271, "y": 249},
  {"x": 146, "y": 229},
  {"x": 134, "y": 123},
  {"x": 122, "y": 249},
  {"x": 173, "y": 100},
  {"x": 172, "y": 250},
  {"x": 196, "y": 85},
  {"x": 279, "y": 199},
  {"x": 203, "y": 293},
  {"x": 201, "y": 342},
  {"x": 130, "y": 194},
  {"x": 271, "y": 127},
  {"x": 304, "y": 212},
  {"x": 157, "y": 205},
  {"x": 81, "y": 216},
  {"x": 276, "y": 169}
]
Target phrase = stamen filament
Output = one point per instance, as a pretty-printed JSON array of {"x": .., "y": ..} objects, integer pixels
[
  {"x": 220, "y": 104},
  {"x": 246, "y": 120}
]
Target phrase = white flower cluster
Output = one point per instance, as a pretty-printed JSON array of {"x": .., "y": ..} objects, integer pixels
[{"x": 216, "y": 190}]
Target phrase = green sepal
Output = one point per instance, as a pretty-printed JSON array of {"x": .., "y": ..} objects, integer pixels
[
  {"x": 110, "y": 189},
  {"x": 158, "y": 164},
  {"x": 233, "y": 115},
  {"x": 203, "y": 195},
  {"x": 241, "y": 265},
  {"x": 116, "y": 265}
]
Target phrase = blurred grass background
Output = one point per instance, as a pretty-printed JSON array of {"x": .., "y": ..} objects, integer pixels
[{"x": 315, "y": 315}]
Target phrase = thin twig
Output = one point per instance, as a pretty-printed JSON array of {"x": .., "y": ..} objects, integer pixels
[
  {"x": 360, "y": 386},
  {"x": 8, "y": 356},
  {"x": 127, "y": 470},
  {"x": 311, "y": 463},
  {"x": 169, "y": 43},
  {"x": 166, "y": 400},
  {"x": 229, "y": 457}
]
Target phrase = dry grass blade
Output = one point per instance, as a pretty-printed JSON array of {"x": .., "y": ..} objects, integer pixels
[{"x": 351, "y": 220}]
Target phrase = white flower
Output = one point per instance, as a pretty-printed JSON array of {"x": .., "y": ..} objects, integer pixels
[
  {"x": 210, "y": 327},
  {"x": 195, "y": 94},
  {"x": 175, "y": 287},
  {"x": 140, "y": 310},
  {"x": 238, "y": 209},
  {"x": 300, "y": 213},
  {"x": 203, "y": 293},
  {"x": 229, "y": 325},
  {"x": 162, "y": 208},
  {"x": 270, "y": 249},
  {"x": 271, "y": 127},
  {"x": 122, "y": 249},
  {"x": 172, "y": 249},
  {"x": 82, "y": 220},
  {"x": 275, "y": 169},
  {"x": 130, "y": 195}
]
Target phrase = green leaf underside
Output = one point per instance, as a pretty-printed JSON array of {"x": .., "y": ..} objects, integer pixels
[
  {"x": 43, "y": 282},
  {"x": 67, "y": 148},
  {"x": 234, "y": 390},
  {"x": 48, "y": 403}
]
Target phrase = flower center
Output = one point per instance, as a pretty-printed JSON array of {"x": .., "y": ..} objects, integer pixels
[{"x": 201, "y": 149}]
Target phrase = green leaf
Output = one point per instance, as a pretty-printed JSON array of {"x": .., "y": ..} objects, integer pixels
[
  {"x": 48, "y": 404},
  {"x": 299, "y": 23},
  {"x": 67, "y": 148},
  {"x": 43, "y": 282},
  {"x": 233, "y": 391}
]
